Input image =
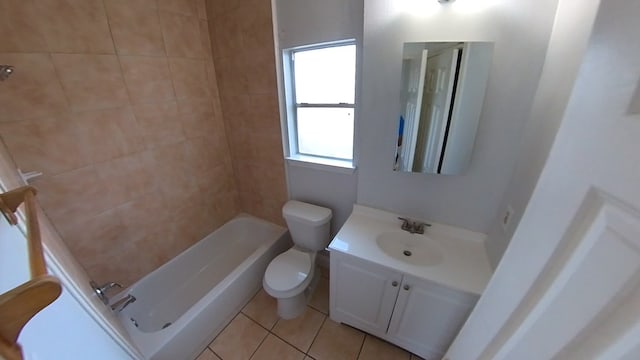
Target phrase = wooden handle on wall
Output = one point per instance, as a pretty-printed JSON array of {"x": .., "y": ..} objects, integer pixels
[
  {"x": 36, "y": 255},
  {"x": 19, "y": 305},
  {"x": 9, "y": 203}
]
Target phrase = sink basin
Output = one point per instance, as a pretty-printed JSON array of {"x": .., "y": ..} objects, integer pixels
[{"x": 413, "y": 249}]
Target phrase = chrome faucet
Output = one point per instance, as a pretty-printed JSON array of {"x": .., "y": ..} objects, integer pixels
[
  {"x": 101, "y": 290},
  {"x": 412, "y": 226},
  {"x": 122, "y": 303}
]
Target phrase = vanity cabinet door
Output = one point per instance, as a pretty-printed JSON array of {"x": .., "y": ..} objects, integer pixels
[
  {"x": 427, "y": 317},
  {"x": 362, "y": 294}
]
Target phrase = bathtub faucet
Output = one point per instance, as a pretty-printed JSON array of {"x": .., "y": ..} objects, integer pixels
[
  {"x": 122, "y": 303},
  {"x": 101, "y": 290}
]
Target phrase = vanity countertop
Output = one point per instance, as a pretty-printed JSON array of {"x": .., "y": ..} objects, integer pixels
[{"x": 464, "y": 265}]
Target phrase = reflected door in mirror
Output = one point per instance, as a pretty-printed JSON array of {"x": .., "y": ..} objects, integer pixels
[{"x": 441, "y": 100}]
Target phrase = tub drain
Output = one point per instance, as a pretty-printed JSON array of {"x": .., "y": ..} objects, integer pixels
[
  {"x": 166, "y": 325},
  {"x": 407, "y": 253}
]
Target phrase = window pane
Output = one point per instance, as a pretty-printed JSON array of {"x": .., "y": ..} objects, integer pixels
[
  {"x": 325, "y": 76},
  {"x": 326, "y": 132}
]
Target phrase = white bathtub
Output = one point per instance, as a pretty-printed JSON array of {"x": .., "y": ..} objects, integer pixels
[{"x": 183, "y": 305}]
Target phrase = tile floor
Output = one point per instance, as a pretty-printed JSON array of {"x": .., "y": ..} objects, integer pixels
[{"x": 257, "y": 333}]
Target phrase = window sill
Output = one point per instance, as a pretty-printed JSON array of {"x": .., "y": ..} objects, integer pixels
[{"x": 318, "y": 163}]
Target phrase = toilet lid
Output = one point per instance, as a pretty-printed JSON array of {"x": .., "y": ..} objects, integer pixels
[{"x": 288, "y": 270}]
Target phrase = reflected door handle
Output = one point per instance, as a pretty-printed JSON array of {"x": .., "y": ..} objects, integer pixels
[
  {"x": 394, "y": 284},
  {"x": 407, "y": 287}
]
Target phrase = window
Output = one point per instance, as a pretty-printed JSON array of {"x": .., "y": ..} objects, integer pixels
[{"x": 321, "y": 101}]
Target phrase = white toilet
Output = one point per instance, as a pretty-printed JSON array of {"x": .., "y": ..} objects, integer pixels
[{"x": 290, "y": 274}]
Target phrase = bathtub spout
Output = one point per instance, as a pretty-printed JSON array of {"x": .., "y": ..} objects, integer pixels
[{"x": 122, "y": 303}]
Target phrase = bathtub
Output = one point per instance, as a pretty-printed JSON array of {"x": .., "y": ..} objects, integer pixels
[{"x": 183, "y": 305}]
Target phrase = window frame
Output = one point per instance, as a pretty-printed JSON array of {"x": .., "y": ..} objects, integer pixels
[{"x": 292, "y": 105}]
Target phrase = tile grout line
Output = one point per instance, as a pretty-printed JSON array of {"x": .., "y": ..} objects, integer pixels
[
  {"x": 130, "y": 103},
  {"x": 215, "y": 353},
  {"x": 364, "y": 338},
  {"x": 316, "y": 336},
  {"x": 59, "y": 78},
  {"x": 117, "y": 55},
  {"x": 221, "y": 331},
  {"x": 274, "y": 334},
  {"x": 250, "y": 319},
  {"x": 318, "y": 310},
  {"x": 284, "y": 340},
  {"x": 270, "y": 331},
  {"x": 261, "y": 342},
  {"x": 290, "y": 344}
]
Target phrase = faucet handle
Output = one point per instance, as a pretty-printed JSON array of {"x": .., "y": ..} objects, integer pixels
[
  {"x": 101, "y": 290},
  {"x": 406, "y": 223},
  {"x": 413, "y": 226},
  {"x": 106, "y": 286},
  {"x": 419, "y": 227}
]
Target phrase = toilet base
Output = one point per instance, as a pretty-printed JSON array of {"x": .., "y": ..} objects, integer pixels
[{"x": 290, "y": 308}]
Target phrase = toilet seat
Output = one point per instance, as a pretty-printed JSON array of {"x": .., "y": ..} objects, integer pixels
[{"x": 289, "y": 273}]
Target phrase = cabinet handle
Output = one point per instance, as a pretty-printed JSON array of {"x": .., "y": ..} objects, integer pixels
[
  {"x": 407, "y": 287},
  {"x": 394, "y": 284}
]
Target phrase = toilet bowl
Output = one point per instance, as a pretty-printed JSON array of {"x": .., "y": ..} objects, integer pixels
[
  {"x": 288, "y": 278},
  {"x": 291, "y": 276}
]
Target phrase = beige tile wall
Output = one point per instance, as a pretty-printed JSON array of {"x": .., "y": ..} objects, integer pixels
[
  {"x": 243, "y": 52},
  {"x": 116, "y": 102}
]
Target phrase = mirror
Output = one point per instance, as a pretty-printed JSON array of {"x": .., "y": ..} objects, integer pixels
[{"x": 441, "y": 98}]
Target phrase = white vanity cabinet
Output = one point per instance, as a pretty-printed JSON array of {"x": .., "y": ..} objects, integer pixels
[
  {"x": 428, "y": 316},
  {"x": 413, "y": 313},
  {"x": 362, "y": 294}
]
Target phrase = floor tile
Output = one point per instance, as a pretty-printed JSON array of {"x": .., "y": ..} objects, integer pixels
[
  {"x": 207, "y": 354},
  {"x": 239, "y": 339},
  {"x": 263, "y": 309},
  {"x": 336, "y": 342},
  {"x": 300, "y": 331},
  {"x": 311, "y": 336},
  {"x": 377, "y": 349},
  {"x": 273, "y": 348},
  {"x": 320, "y": 297}
]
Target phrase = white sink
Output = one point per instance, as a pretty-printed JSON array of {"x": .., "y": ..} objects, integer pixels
[
  {"x": 449, "y": 256},
  {"x": 413, "y": 249}
]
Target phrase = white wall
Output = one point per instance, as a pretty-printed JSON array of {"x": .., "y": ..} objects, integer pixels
[
  {"x": 595, "y": 152},
  {"x": 520, "y": 30},
  {"x": 567, "y": 45},
  {"x": 333, "y": 190},
  {"x": 303, "y": 22},
  {"x": 63, "y": 330}
]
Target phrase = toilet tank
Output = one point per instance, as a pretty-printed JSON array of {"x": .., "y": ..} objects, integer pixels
[{"x": 308, "y": 224}]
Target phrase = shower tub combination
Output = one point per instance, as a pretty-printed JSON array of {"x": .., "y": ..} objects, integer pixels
[{"x": 183, "y": 305}]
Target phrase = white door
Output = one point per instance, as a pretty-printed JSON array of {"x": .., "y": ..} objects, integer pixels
[
  {"x": 438, "y": 92},
  {"x": 362, "y": 294},
  {"x": 428, "y": 316},
  {"x": 474, "y": 70},
  {"x": 416, "y": 67},
  {"x": 568, "y": 286}
]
